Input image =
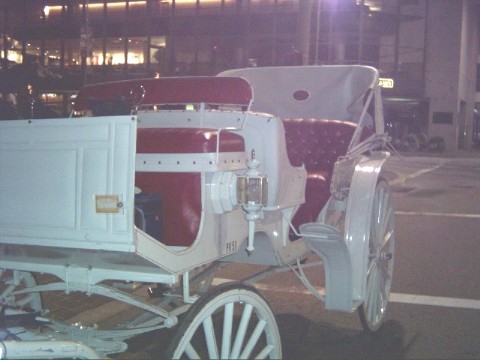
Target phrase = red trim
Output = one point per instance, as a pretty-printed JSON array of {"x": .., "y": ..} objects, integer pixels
[
  {"x": 186, "y": 140},
  {"x": 174, "y": 90}
]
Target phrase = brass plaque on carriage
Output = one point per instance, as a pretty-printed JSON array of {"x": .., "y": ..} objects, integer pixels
[{"x": 107, "y": 204}]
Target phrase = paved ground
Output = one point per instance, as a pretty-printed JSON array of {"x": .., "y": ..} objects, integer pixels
[{"x": 76, "y": 307}]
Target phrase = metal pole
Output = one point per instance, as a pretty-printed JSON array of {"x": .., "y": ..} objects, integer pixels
[
  {"x": 126, "y": 28},
  {"x": 360, "y": 32},
  {"x": 303, "y": 29},
  {"x": 397, "y": 39},
  {"x": 317, "y": 34},
  {"x": 84, "y": 41}
]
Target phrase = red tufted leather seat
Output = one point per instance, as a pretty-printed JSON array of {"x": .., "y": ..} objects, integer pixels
[
  {"x": 180, "y": 192},
  {"x": 317, "y": 144}
]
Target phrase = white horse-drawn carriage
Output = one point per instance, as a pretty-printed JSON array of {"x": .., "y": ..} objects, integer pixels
[{"x": 163, "y": 181}]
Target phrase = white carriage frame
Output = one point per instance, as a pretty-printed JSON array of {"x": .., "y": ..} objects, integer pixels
[{"x": 82, "y": 251}]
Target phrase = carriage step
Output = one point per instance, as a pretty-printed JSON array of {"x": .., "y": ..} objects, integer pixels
[{"x": 327, "y": 242}]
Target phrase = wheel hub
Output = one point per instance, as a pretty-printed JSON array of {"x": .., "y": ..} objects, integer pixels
[{"x": 385, "y": 256}]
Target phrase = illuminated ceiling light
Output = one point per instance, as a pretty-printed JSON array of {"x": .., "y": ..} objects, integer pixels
[
  {"x": 116, "y": 4},
  {"x": 193, "y": 2},
  {"x": 119, "y": 5},
  {"x": 96, "y": 6}
]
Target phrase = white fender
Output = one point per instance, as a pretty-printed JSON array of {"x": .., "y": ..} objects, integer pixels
[{"x": 358, "y": 218}]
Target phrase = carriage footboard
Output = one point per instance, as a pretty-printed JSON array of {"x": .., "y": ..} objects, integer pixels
[{"x": 328, "y": 243}]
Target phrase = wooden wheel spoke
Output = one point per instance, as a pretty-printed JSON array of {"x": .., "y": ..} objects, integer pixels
[
  {"x": 191, "y": 352},
  {"x": 373, "y": 295},
  {"x": 253, "y": 340},
  {"x": 386, "y": 239},
  {"x": 371, "y": 266},
  {"x": 266, "y": 351},
  {"x": 242, "y": 330},
  {"x": 227, "y": 330},
  {"x": 210, "y": 338},
  {"x": 385, "y": 225}
]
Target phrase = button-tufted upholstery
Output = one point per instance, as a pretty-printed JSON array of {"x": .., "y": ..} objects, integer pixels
[
  {"x": 317, "y": 144},
  {"x": 180, "y": 192}
]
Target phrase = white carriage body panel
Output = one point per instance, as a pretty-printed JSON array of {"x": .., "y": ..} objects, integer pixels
[
  {"x": 223, "y": 234},
  {"x": 54, "y": 174},
  {"x": 322, "y": 92},
  {"x": 263, "y": 133},
  {"x": 70, "y": 162}
]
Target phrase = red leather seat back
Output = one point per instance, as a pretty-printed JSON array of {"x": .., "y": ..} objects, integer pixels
[{"x": 317, "y": 144}]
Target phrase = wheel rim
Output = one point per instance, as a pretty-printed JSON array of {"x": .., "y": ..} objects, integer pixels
[
  {"x": 12, "y": 281},
  {"x": 380, "y": 260},
  {"x": 237, "y": 323}
]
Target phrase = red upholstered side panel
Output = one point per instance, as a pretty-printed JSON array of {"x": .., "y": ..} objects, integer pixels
[
  {"x": 316, "y": 143},
  {"x": 186, "y": 140},
  {"x": 181, "y": 204},
  {"x": 180, "y": 193},
  {"x": 317, "y": 192}
]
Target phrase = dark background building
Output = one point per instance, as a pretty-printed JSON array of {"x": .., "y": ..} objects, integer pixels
[{"x": 427, "y": 49}]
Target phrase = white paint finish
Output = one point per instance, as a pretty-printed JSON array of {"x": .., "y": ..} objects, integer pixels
[
  {"x": 427, "y": 213},
  {"x": 51, "y": 171},
  {"x": 435, "y": 301},
  {"x": 37, "y": 185}
]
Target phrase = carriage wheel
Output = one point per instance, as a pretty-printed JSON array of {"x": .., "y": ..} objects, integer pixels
[
  {"x": 234, "y": 316},
  {"x": 14, "y": 280},
  {"x": 380, "y": 260}
]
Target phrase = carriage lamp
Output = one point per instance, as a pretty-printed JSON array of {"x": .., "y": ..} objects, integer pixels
[
  {"x": 252, "y": 194},
  {"x": 252, "y": 190}
]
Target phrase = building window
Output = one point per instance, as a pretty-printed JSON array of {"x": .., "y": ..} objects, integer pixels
[{"x": 443, "y": 118}]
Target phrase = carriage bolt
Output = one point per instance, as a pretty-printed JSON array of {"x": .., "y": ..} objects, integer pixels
[{"x": 170, "y": 321}]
